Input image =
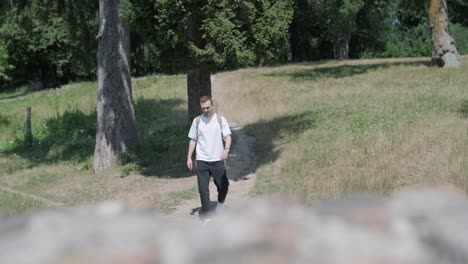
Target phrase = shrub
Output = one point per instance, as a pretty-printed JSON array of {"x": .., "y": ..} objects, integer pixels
[
  {"x": 460, "y": 34},
  {"x": 412, "y": 42},
  {"x": 69, "y": 136},
  {"x": 4, "y": 65},
  {"x": 4, "y": 121},
  {"x": 129, "y": 167}
]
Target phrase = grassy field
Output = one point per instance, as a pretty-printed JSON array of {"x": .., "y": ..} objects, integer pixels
[
  {"x": 58, "y": 165},
  {"x": 328, "y": 129},
  {"x": 323, "y": 129}
]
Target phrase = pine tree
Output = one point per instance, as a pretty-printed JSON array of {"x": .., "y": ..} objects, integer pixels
[{"x": 116, "y": 131}]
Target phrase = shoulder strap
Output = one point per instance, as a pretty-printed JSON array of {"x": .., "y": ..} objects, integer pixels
[
  {"x": 220, "y": 121},
  {"x": 197, "y": 122}
]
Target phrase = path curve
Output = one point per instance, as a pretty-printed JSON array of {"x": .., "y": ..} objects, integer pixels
[
  {"x": 47, "y": 202},
  {"x": 240, "y": 171}
]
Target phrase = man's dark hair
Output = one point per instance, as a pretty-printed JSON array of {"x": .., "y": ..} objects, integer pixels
[{"x": 205, "y": 98}]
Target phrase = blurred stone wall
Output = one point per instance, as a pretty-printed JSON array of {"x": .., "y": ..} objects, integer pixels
[{"x": 414, "y": 226}]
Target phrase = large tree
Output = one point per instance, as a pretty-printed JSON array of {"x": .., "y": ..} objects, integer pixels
[
  {"x": 116, "y": 131},
  {"x": 342, "y": 25},
  {"x": 338, "y": 19},
  {"x": 198, "y": 76},
  {"x": 444, "y": 52},
  {"x": 373, "y": 27},
  {"x": 226, "y": 34},
  {"x": 201, "y": 37}
]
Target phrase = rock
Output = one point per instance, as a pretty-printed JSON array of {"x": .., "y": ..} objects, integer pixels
[
  {"x": 451, "y": 60},
  {"x": 414, "y": 226}
]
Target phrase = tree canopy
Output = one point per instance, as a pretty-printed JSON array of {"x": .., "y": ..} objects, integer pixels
[{"x": 54, "y": 42}]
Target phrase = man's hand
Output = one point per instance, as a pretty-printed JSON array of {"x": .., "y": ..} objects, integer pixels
[
  {"x": 191, "y": 148},
  {"x": 225, "y": 155},
  {"x": 189, "y": 164}
]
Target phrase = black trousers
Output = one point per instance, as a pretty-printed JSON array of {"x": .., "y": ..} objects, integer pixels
[{"x": 205, "y": 170}]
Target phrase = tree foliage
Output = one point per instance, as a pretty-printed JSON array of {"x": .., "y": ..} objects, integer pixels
[
  {"x": 55, "y": 41},
  {"x": 460, "y": 34},
  {"x": 308, "y": 36},
  {"x": 45, "y": 40},
  {"x": 373, "y": 24},
  {"x": 235, "y": 33},
  {"x": 338, "y": 18},
  {"x": 38, "y": 46},
  {"x": 458, "y": 12},
  {"x": 4, "y": 64}
]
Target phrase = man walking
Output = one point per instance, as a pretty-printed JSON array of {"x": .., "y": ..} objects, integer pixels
[{"x": 206, "y": 135}]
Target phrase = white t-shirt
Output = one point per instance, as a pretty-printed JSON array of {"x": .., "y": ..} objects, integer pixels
[{"x": 209, "y": 143}]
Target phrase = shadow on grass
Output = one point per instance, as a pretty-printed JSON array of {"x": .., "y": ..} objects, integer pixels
[
  {"x": 162, "y": 135},
  {"x": 270, "y": 135},
  {"x": 13, "y": 93},
  {"x": 464, "y": 109},
  {"x": 66, "y": 137},
  {"x": 70, "y": 137},
  {"x": 341, "y": 71},
  {"x": 4, "y": 121}
]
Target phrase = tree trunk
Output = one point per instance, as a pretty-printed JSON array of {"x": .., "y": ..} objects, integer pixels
[
  {"x": 116, "y": 131},
  {"x": 341, "y": 49},
  {"x": 198, "y": 85},
  {"x": 27, "y": 127},
  {"x": 124, "y": 49},
  {"x": 341, "y": 44},
  {"x": 48, "y": 75},
  {"x": 444, "y": 52},
  {"x": 198, "y": 79}
]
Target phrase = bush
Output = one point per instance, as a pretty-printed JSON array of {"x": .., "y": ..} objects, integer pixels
[
  {"x": 130, "y": 162},
  {"x": 4, "y": 121},
  {"x": 460, "y": 35},
  {"x": 4, "y": 65},
  {"x": 129, "y": 167},
  {"x": 412, "y": 42},
  {"x": 69, "y": 136}
]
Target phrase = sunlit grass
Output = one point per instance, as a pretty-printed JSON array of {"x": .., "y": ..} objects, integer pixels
[
  {"x": 334, "y": 128},
  {"x": 322, "y": 129},
  {"x": 172, "y": 200},
  {"x": 14, "y": 203},
  {"x": 58, "y": 166}
]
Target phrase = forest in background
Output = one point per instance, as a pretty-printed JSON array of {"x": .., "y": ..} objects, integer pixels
[{"x": 45, "y": 43}]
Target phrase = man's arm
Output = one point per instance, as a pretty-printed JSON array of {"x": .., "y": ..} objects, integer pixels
[
  {"x": 227, "y": 146},
  {"x": 191, "y": 148}
]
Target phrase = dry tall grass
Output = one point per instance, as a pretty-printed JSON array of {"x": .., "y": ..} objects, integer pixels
[
  {"x": 332, "y": 128},
  {"x": 323, "y": 130}
]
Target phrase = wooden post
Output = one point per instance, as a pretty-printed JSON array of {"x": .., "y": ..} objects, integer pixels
[{"x": 27, "y": 128}]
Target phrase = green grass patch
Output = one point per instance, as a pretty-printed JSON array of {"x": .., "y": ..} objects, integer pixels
[
  {"x": 64, "y": 124},
  {"x": 322, "y": 130},
  {"x": 175, "y": 198},
  {"x": 129, "y": 167},
  {"x": 64, "y": 130},
  {"x": 13, "y": 93},
  {"x": 15, "y": 203},
  {"x": 67, "y": 136}
]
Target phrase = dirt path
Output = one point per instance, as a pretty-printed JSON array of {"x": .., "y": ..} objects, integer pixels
[
  {"x": 32, "y": 196},
  {"x": 144, "y": 192},
  {"x": 240, "y": 171}
]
